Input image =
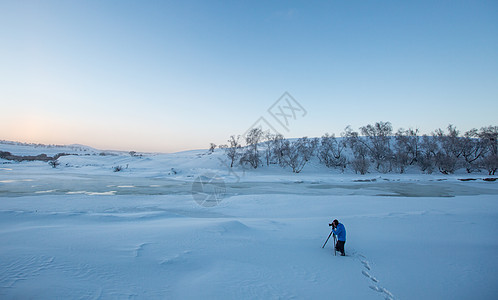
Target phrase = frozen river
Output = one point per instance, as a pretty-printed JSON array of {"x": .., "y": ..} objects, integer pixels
[{"x": 14, "y": 184}]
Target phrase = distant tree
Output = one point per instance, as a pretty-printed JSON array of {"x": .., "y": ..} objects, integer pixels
[
  {"x": 401, "y": 159},
  {"x": 490, "y": 163},
  {"x": 268, "y": 137},
  {"x": 296, "y": 154},
  {"x": 315, "y": 143},
  {"x": 449, "y": 149},
  {"x": 360, "y": 162},
  {"x": 251, "y": 154},
  {"x": 473, "y": 149},
  {"x": 446, "y": 164},
  {"x": 378, "y": 143},
  {"x": 450, "y": 142},
  {"x": 489, "y": 135},
  {"x": 330, "y": 152},
  {"x": 277, "y": 146},
  {"x": 489, "y": 138},
  {"x": 54, "y": 163},
  {"x": 427, "y": 156},
  {"x": 132, "y": 153},
  {"x": 406, "y": 148},
  {"x": 212, "y": 146},
  {"x": 232, "y": 150}
]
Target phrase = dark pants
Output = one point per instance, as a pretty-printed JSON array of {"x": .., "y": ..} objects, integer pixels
[{"x": 339, "y": 246}]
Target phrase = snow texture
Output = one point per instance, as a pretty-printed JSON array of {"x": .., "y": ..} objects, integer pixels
[{"x": 83, "y": 231}]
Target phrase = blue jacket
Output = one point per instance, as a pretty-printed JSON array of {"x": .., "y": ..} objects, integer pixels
[{"x": 340, "y": 231}]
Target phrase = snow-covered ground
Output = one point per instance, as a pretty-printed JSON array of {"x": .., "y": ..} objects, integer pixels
[{"x": 83, "y": 231}]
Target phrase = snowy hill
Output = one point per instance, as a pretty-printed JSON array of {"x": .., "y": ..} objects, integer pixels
[
  {"x": 186, "y": 226},
  {"x": 18, "y": 148}
]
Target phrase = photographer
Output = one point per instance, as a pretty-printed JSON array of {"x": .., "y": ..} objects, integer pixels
[{"x": 340, "y": 231}]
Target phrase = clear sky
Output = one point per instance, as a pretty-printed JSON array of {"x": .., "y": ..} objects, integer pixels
[{"x": 170, "y": 76}]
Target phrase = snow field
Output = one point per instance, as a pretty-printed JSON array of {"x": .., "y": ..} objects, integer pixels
[
  {"x": 251, "y": 246},
  {"x": 82, "y": 231}
]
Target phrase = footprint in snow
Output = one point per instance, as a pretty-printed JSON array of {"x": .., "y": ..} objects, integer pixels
[
  {"x": 380, "y": 289},
  {"x": 388, "y": 295},
  {"x": 369, "y": 276},
  {"x": 376, "y": 288},
  {"x": 366, "y": 264}
]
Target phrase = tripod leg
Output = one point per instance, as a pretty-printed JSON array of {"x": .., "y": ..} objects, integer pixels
[
  {"x": 335, "y": 245},
  {"x": 328, "y": 239}
]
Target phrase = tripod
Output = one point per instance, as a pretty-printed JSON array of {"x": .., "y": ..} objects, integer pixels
[{"x": 335, "y": 250}]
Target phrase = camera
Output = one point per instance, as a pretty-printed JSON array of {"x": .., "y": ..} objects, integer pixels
[{"x": 332, "y": 224}]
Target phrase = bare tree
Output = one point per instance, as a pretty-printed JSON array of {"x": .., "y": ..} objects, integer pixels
[
  {"x": 449, "y": 150},
  {"x": 473, "y": 148},
  {"x": 251, "y": 155},
  {"x": 277, "y": 145},
  {"x": 232, "y": 150},
  {"x": 268, "y": 137},
  {"x": 378, "y": 143},
  {"x": 212, "y": 146},
  {"x": 54, "y": 163},
  {"x": 360, "y": 161},
  {"x": 298, "y": 153},
  {"x": 360, "y": 164},
  {"x": 446, "y": 164},
  {"x": 489, "y": 138},
  {"x": 406, "y": 148},
  {"x": 330, "y": 152},
  {"x": 450, "y": 142},
  {"x": 273, "y": 148},
  {"x": 490, "y": 163},
  {"x": 428, "y": 150},
  {"x": 314, "y": 142}
]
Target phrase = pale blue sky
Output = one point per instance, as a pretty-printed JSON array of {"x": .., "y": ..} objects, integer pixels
[{"x": 170, "y": 76}]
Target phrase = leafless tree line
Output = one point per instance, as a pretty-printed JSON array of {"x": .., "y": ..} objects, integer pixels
[{"x": 373, "y": 147}]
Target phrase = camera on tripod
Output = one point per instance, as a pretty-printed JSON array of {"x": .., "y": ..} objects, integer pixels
[{"x": 332, "y": 224}]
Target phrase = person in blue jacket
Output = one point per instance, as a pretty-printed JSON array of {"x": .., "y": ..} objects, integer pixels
[{"x": 340, "y": 231}]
